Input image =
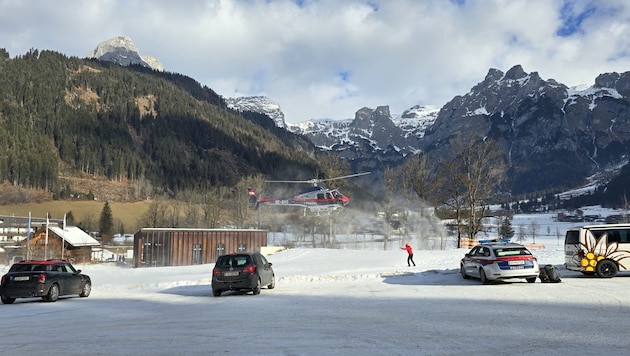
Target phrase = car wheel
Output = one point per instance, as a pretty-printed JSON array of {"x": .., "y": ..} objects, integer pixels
[
  {"x": 256, "y": 289},
  {"x": 7, "y": 300},
  {"x": 53, "y": 294},
  {"x": 216, "y": 293},
  {"x": 531, "y": 279},
  {"x": 272, "y": 285},
  {"x": 86, "y": 290},
  {"x": 606, "y": 269},
  {"x": 482, "y": 276},
  {"x": 462, "y": 270}
]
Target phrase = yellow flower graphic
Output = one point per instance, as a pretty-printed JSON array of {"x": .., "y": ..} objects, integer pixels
[{"x": 598, "y": 248}]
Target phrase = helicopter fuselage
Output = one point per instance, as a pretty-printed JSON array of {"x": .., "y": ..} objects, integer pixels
[{"x": 310, "y": 197}]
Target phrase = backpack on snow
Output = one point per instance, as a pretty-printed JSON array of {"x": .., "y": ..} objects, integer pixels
[{"x": 549, "y": 274}]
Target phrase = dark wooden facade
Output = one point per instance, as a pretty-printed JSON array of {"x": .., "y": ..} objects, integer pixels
[{"x": 154, "y": 247}]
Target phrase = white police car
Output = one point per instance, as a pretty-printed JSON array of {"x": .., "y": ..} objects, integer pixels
[{"x": 497, "y": 261}]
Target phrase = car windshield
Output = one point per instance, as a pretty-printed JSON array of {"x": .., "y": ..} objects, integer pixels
[{"x": 511, "y": 251}]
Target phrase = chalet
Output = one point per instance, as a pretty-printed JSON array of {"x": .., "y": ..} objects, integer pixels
[
  {"x": 154, "y": 247},
  {"x": 77, "y": 245}
]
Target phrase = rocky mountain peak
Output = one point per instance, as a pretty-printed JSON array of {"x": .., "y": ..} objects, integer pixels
[
  {"x": 619, "y": 82},
  {"x": 493, "y": 75},
  {"x": 259, "y": 104},
  {"x": 367, "y": 118},
  {"x": 515, "y": 72},
  {"x": 551, "y": 135},
  {"x": 123, "y": 51},
  {"x": 541, "y": 125}
]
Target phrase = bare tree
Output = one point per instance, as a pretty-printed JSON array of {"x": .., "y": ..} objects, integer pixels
[
  {"x": 522, "y": 234},
  {"x": 246, "y": 211},
  {"x": 451, "y": 194},
  {"x": 418, "y": 177},
  {"x": 332, "y": 166},
  {"x": 485, "y": 171},
  {"x": 155, "y": 215},
  {"x": 391, "y": 185},
  {"x": 212, "y": 207},
  {"x": 174, "y": 213},
  {"x": 471, "y": 174},
  {"x": 533, "y": 228},
  {"x": 192, "y": 214}
]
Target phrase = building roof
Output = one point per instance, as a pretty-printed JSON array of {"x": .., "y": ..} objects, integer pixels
[
  {"x": 74, "y": 236},
  {"x": 194, "y": 229}
]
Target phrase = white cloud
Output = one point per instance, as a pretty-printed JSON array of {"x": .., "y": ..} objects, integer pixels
[{"x": 329, "y": 58}]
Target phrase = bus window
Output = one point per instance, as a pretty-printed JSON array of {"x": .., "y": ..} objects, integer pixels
[{"x": 572, "y": 237}]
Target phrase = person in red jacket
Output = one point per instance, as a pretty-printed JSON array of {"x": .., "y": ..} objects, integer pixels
[{"x": 410, "y": 254}]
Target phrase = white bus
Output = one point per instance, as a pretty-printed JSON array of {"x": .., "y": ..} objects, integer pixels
[{"x": 603, "y": 250}]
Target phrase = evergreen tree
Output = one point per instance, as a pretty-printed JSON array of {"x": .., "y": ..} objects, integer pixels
[
  {"x": 106, "y": 223},
  {"x": 69, "y": 218},
  {"x": 505, "y": 229}
]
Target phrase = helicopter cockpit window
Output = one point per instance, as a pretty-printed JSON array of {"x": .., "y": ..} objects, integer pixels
[
  {"x": 329, "y": 196},
  {"x": 320, "y": 195}
]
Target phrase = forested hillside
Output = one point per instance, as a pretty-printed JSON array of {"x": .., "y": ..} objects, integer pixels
[{"x": 62, "y": 116}]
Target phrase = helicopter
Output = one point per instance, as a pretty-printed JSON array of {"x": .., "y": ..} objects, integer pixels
[{"x": 314, "y": 197}]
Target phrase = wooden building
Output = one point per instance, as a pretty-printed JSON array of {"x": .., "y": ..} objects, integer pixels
[
  {"x": 154, "y": 247},
  {"x": 77, "y": 245}
]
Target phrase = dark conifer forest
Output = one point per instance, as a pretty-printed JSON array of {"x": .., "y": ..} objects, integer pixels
[{"x": 65, "y": 116}]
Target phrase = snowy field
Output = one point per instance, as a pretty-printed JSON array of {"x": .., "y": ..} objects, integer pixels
[{"x": 331, "y": 302}]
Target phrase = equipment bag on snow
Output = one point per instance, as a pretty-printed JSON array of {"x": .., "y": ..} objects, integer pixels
[{"x": 549, "y": 274}]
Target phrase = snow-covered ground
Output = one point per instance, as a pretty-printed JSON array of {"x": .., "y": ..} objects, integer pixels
[{"x": 331, "y": 302}]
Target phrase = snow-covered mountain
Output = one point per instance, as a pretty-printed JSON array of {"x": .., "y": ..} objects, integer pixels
[
  {"x": 551, "y": 135},
  {"x": 377, "y": 128},
  {"x": 123, "y": 51},
  {"x": 259, "y": 104}
]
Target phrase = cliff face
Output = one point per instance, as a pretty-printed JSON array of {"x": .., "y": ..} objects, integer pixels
[
  {"x": 123, "y": 51},
  {"x": 552, "y": 135}
]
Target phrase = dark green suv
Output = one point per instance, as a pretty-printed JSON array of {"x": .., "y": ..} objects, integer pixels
[{"x": 242, "y": 272}]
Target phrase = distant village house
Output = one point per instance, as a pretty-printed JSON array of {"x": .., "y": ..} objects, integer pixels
[{"x": 77, "y": 245}]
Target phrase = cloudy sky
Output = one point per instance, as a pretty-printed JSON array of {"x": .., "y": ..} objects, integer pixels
[{"x": 329, "y": 58}]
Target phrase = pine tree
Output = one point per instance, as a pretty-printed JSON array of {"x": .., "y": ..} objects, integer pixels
[
  {"x": 106, "y": 223},
  {"x": 70, "y": 218},
  {"x": 505, "y": 229}
]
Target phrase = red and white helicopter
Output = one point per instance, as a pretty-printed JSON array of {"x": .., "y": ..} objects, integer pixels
[{"x": 314, "y": 197}]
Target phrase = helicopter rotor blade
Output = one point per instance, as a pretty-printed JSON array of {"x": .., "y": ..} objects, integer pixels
[
  {"x": 343, "y": 177},
  {"x": 316, "y": 181},
  {"x": 289, "y": 181}
]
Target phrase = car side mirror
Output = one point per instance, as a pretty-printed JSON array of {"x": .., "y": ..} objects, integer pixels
[
  {"x": 467, "y": 255},
  {"x": 78, "y": 271}
]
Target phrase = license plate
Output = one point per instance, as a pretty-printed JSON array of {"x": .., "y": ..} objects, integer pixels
[
  {"x": 517, "y": 267},
  {"x": 517, "y": 262},
  {"x": 21, "y": 278},
  {"x": 230, "y": 274}
]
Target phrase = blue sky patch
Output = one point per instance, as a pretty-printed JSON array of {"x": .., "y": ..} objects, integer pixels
[
  {"x": 572, "y": 20},
  {"x": 343, "y": 76}
]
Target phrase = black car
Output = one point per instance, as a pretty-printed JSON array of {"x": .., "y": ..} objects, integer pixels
[
  {"x": 48, "y": 279},
  {"x": 242, "y": 272}
]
